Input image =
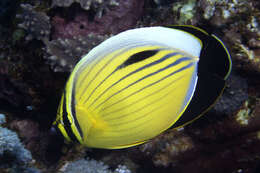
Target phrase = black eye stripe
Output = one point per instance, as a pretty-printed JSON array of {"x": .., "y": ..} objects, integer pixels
[{"x": 140, "y": 56}]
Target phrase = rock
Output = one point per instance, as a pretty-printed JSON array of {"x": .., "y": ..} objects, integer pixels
[
  {"x": 85, "y": 4},
  {"x": 115, "y": 20},
  {"x": 234, "y": 95}
]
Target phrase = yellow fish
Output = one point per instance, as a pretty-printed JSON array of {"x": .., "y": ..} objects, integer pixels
[{"x": 135, "y": 85}]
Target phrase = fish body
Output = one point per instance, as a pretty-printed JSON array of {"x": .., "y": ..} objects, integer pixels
[{"x": 139, "y": 83}]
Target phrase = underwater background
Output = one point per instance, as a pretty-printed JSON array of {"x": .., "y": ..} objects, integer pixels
[{"x": 42, "y": 40}]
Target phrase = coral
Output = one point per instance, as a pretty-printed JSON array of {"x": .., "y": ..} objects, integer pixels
[
  {"x": 85, "y": 166},
  {"x": 115, "y": 20},
  {"x": 248, "y": 114},
  {"x": 63, "y": 54},
  {"x": 85, "y": 4},
  {"x": 11, "y": 147},
  {"x": 122, "y": 169},
  {"x": 185, "y": 10},
  {"x": 243, "y": 115},
  {"x": 73, "y": 39},
  {"x": 2, "y": 119},
  {"x": 224, "y": 11},
  {"x": 245, "y": 46},
  {"x": 36, "y": 24},
  {"x": 91, "y": 166},
  {"x": 169, "y": 12},
  {"x": 240, "y": 24},
  {"x": 14, "y": 157}
]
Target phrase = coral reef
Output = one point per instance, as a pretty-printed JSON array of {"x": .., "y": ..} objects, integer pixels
[{"x": 2, "y": 119}]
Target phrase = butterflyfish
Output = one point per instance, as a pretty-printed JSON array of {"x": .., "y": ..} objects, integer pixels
[{"x": 139, "y": 83}]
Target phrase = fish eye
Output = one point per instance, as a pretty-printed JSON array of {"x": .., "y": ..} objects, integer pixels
[{"x": 53, "y": 131}]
